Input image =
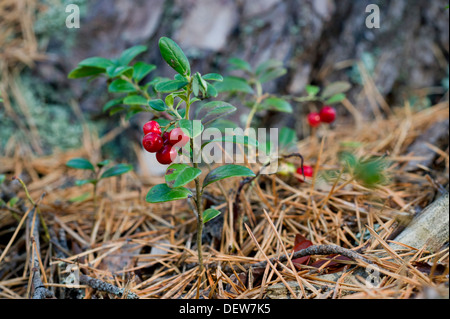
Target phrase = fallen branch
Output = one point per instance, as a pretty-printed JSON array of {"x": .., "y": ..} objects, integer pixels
[{"x": 100, "y": 285}]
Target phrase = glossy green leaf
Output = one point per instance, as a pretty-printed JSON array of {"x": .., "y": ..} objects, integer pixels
[
  {"x": 312, "y": 90},
  {"x": 210, "y": 214},
  {"x": 112, "y": 103},
  {"x": 128, "y": 55},
  {"x": 121, "y": 86},
  {"x": 85, "y": 71},
  {"x": 240, "y": 64},
  {"x": 116, "y": 170},
  {"x": 336, "y": 98},
  {"x": 211, "y": 111},
  {"x": 272, "y": 75},
  {"x": 162, "y": 193},
  {"x": 226, "y": 171},
  {"x": 80, "y": 163},
  {"x": 213, "y": 77},
  {"x": 170, "y": 86},
  {"x": 97, "y": 62},
  {"x": 191, "y": 128},
  {"x": 158, "y": 105},
  {"x": 174, "y": 56},
  {"x": 211, "y": 91},
  {"x": 277, "y": 104},
  {"x": 287, "y": 137},
  {"x": 268, "y": 65},
  {"x": 178, "y": 175},
  {"x": 233, "y": 84},
  {"x": 116, "y": 71},
  {"x": 141, "y": 70},
  {"x": 135, "y": 100}
]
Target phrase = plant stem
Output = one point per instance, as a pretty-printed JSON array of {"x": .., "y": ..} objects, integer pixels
[{"x": 198, "y": 202}]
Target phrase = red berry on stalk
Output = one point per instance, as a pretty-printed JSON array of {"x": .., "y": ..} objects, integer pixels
[
  {"x": 178, "y": 137},
  {"x": 167, "y": 155},
  {"x": 166, "y": 137},
  {"x": 327, "y": 114},
  {"x": 152, "y": 142},
  {"x": 314, "y": 119},
  {"x": 308, "y": 171},
  {"x": 152, "y": 127}
]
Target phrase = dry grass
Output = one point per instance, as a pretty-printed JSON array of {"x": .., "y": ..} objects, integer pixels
[{"x": 149, "y": 249}]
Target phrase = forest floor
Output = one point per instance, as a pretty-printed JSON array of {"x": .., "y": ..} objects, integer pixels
[{"x": 149, "y": 250}]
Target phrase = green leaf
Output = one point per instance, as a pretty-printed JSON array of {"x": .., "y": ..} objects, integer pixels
[
  {"x": 222, "y": 124},
  {"x": 213, "y": 77},
  {"x": 80, "y": 198},
  {"x": 191, "y": 128},
  {"x": 312, "y": 90},
  {"x": 135, "y": 100},
  {"x": 112, "y": 103},
  {"x": 336, "y": 88},
  {"x": 268, "y": 65},
  {"x": 82, "y": 182},
  {"x": 121, "y": 86},
  {"x": 210, "y": 214},
  {"x": 2, "y": 178},
  {"x": 214, "y": 110},
  {"x": 272, "y": 75},
  {"x": 116, "y": 109},
  {"x": 84, "y": 71},
  {"x": 116, "y": 71},
  {"x": 287, "y": 137},
  {"x": 233, "y": 84},
  {"x": 178, "y": 175},
  {"x": 226, "y": 171},
  {"x": 336, "y": 98},
  {"x": 174, "y": 56},
  {"x": 170, "y": 86},
  {"x": 119, "y": 169},
  {"x": 240, "y": 64},
  {"x": 80, "y": 163},
  {"x": 128, "y": 55},
  {"x": 162, "y": 193},
  {"x": 211, "y": 91},
  {"x": 158, "y": 105},
  {"x": 97, "y": 62},
  {"x": 141, "y": 70},
  {"x": 162, "y": 122},
  {"x": 277, "y": 104}
]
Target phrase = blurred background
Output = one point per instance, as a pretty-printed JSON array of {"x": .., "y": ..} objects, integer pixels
[{"x": 319, "y": 42}]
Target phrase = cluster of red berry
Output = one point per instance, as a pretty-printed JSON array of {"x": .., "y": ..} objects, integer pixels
[
  {"x": 164, "y": 145},
  {"x": 326, "y": 115}
]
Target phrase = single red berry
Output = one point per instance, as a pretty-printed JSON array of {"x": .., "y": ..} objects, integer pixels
[
  {"x": 314, "y": 119},
  {"x": 167, "y": 155},
  {"x": 308, "y": 171},
  {"x": 165, "y": 137},
  {"x": 178, "y": 137},
  {"x": 152, "y": 127},
  {"x": 152, "y": 142},
  {"x": 327, "y": 114}
]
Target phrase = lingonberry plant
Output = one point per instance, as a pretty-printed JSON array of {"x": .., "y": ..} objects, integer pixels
[
  {"x": 99, "y": 171},
  {"x": 172, "y": 130}
]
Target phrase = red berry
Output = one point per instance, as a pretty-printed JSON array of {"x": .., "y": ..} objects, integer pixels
[
  {"x": 178, "y": 137},
  {"x": 165, "y": 137},
  {"x": 308, "y": 171},
  {"x": 167, "y": 155},
  {"x": 152, "y": 127},
  {"x": 314, "y": 119},
  {"x": 152, "y": 142},
  {"x": 327, "y": 114}
]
